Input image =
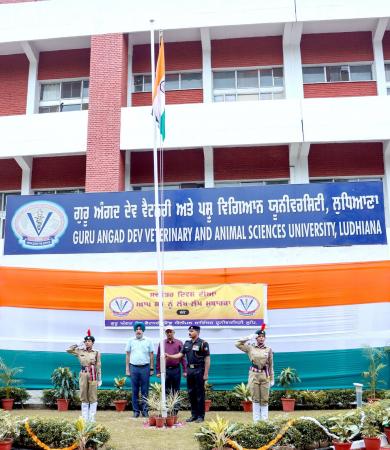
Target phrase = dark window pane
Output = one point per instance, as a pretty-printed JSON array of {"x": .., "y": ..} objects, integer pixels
[
  {"x": 86, "y": 88},
  {"x": 278, "y": 76},
  {"x": 266, "y": 78},
  {"x": 361, "y": 73},
  {"x": 138, "y": 83},
  {"x": 71, "y": 89},
  {"x": 387, "y": 70},
  {"x": 247, "y": 79},
  {"x": 147, "y": 83},
  {"x": 48, "y": 109},
  {"x": 191, "y": 80},
  {"x": 224, "y": 80},
  {"x": 333, "y": 73},
  {"x": 84, "y": 106},
  {"x": 313, "y": 74},
  {"x": 171, "y": 81},
  {"x": 71, "y": 108}
]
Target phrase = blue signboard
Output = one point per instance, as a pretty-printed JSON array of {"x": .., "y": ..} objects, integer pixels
[{"x": 321, "y": 214}]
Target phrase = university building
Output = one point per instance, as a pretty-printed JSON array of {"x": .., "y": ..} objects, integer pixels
[{"x": 258, "y": 93}]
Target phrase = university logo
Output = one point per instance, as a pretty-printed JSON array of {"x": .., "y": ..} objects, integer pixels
[
  {"x": 121, "y": 306},
  {"x": 38, "y": 225},
  {"x": 246, "y": 305}
]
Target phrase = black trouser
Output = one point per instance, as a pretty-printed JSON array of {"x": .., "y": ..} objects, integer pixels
[
  {"x": 172, "y": 380},
  {"x": 196, "y": 391}
]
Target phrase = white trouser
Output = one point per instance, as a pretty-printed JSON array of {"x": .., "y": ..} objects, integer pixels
[
  {"x": 256, "y": 412},
  {"x": 92, "y": 411},
  {"x": 85, "y": 411},
  {"x": 264, "y": 412}
]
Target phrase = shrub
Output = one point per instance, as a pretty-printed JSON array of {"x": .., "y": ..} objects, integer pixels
[{"x": 49, "y": 398}]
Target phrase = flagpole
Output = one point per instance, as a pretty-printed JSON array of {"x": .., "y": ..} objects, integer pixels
[{"x": 158, "y": 239}]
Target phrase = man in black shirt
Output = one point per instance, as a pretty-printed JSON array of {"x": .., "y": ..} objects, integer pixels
[{"x": 197, "y": 353}]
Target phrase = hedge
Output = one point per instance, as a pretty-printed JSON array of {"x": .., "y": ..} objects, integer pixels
[
  {"x": 303, "y": 434},
  {"x": 226, "y": 401},
  {"x": 51, "y": 432}
]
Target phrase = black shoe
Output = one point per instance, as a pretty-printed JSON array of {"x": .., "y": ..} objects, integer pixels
[
  {"x": 136, "y": 415},
  {"x": 192, "y": 419},
  {"x": 199, "y": 420}
]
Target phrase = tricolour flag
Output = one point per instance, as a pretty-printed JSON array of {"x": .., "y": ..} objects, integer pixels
[{"x": 158, "y": 110}]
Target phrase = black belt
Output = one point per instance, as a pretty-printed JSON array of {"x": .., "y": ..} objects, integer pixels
[
  {"x": 139, "y": 365},
  {"x": 174, "y": 367},
  {"x": 195, "y": 366}
]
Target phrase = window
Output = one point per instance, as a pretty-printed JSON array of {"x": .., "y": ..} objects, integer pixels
[
  {"x": 344, "y": 180},
  {"x": 387, "y": 71},
  {"x": 3, "y": 204},
  {"x": 64, "y": 96},
  {"x": 150, "y": 187},
  {"x": 248, "y": 84},
  {"x": 337, "y": 73},
  {"x": 59, "y": 191},
  {"x": 173, "y": 81},
  {"x": 250, "y": 183}
]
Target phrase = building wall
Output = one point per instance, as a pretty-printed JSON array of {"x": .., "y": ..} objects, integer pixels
[
  {"x": 10, "y": 175},
  {"x": 13, "y": 84},
  {"x": 351, "y": 159},
  {"x": 107, "y": 94},
  {"x": 246, "y": 163},
  {"x": 58, "y": 172},
  {"x": 171, "y": 97},
  {"x": 386, "y": 46},
  {"x": 247, "y": 52},
  {"x": 336, "y": 47},
  {"x": 64, "y": 64},
  {"x": 179, "y": 166},
  {"x": 340, "y": 89}
]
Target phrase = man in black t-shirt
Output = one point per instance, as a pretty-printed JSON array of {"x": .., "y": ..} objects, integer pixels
[{"x": 197, "y": 354}]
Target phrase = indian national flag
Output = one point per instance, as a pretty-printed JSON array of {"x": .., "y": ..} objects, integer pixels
[{"x": 158, "y": 110}]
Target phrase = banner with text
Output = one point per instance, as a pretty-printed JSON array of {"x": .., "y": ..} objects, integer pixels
[
  {"x": 320, "y": 214},
  {"x": 228, "y": 305}
]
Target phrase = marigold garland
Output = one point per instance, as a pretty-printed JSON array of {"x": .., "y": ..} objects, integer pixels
[
  {"x": 35, "y": 438},
  {"x": 270, "y": 444}
]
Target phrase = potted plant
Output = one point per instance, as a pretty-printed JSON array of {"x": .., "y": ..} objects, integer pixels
[
  {"x": 173, "y": 402},
  {"x": 375, "y": 365},
  {"x": 9, "y": 430},
  {"x": 371, "y": 432},
  {"x": 153, "y": 403},
  {"x": 386, "y": 423},
  {"x": 83, "y": 432},
  {"x": 120, "y": 396},
  {"x": 216, "y": 433},
  {"x": 345, "y": 429},
  {"x": 287, "y": 378},
  {"x": 65, "y": 385},
  {"x": 208, "y": 388},
  {"x": 7, "y": 378},
  {"x": 243, "y": 392}
]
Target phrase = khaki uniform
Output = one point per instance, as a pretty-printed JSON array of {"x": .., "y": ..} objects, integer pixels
[
  {"x": 259, "y": 382},
  {"x": 88, "y": 387}
]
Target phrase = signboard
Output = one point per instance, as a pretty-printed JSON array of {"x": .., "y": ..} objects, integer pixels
[
  {"x": 320, "y": 214},
  {"x": 211, "y": 306}
]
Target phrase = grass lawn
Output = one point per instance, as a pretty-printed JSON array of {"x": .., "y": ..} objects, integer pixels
[{"x": 130, "y": 434}]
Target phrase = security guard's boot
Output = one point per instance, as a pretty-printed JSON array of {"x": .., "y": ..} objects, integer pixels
[
  {"x": 92, "y": 412},
  {"x": 85, "y": 411},
  {"x": 256, "y": 411},
  {"x": 264, "y": 412}
]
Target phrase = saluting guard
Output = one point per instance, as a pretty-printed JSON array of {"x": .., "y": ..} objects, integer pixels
[
  {"x": 261, "y": 372},
  {"x": 90, "y": 375}
]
